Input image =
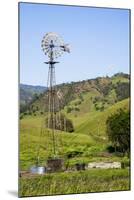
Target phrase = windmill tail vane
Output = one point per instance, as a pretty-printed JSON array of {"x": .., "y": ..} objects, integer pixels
[{"x": 66, "y": 48}]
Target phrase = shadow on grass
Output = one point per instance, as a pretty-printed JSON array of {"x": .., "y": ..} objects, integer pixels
[{"x": 13, "y": 193}]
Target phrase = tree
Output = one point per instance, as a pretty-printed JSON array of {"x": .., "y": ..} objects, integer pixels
[
  {"x": 77, "y": 109},
  {"x": 60, "y": 122},
  {"x": 69, "y": 109},
  {"x": 118, "y": 130},
  {"x": 122, "y": 90}
]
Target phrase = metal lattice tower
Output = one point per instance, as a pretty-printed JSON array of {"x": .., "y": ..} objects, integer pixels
[{"x": 53, "y": 46}]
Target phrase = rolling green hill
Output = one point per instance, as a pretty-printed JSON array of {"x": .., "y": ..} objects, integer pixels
[
  {"x": 96, "y": 121},
  {"x": 88, "y": 106},
  {"x": 28, "y": 94},
  {"x": 98, "y": 94}
]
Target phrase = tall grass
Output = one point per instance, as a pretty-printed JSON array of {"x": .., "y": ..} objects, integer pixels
[{"x": 94, "y": 180}]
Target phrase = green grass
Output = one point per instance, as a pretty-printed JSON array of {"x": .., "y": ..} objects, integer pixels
[
  {"x": 86, "y": 108},
  {"x": 32, "y": 141},
  {"x": 117, "y": 79},
  {"x": 94, "y": 180},
  {"x": 89, "y": 138},
  {"x": 88, "y": 142},
  {"x": 95, "y": 122}
]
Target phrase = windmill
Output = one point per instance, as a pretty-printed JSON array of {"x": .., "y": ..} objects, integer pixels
[{"x": 53, "y": 46}]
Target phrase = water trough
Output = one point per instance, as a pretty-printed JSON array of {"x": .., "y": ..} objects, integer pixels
[{"x": 37, "y": 170}]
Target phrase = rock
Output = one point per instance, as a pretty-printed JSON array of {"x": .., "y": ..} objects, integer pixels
[{"x": 104, "y": 165}]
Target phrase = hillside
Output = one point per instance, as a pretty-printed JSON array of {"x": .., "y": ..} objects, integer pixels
[
  {"x": 27, "y": 92},
  {"x": 88, "y": 104},
  {"x": 86, "y": 96},
  {"x": 88, "y": 142}
]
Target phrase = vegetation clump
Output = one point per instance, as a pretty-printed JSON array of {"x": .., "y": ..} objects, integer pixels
[
  {"x": 60, "y": 122},
  {"x": 118, "y": 130}
]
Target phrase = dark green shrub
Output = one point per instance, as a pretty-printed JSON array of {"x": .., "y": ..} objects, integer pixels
[
  {"x": 73, "y": 153},
  {"x": 69, "y": 109},
  {"x": 111, "y": 149},
  {"x": 125, "y": 163},
  {"x": 118, "y": 130},
  {"x": 60, "y": 122},
  {"x": 122, "y": 90},
  {"x": 21, "y": 116},
  {"x": 77, "y": 109}
]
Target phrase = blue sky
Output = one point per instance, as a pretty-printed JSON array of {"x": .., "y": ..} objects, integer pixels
[{"x": 99, "y": 40}]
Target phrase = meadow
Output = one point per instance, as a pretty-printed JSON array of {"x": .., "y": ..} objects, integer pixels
[
  {"x": 88, "y": 143},
  {"x": 95, "y": 180}
]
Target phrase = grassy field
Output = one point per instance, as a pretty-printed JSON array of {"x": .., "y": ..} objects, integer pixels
[
  {"x": 76, "y": 182},
  {"x": 88, "y": 143},
  {"x": 89, "y": 138},
  {"x": 99, "y": 118}
]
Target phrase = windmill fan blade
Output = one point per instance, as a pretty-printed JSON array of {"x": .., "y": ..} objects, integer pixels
[
  {"x": 53, "y": 45},
  {"x": 47, "y": 50},
  {"x": 46, "y": 47},
  {"x": 56, "y": 54}
]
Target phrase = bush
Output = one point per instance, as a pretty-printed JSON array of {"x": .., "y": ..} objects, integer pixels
[
  {"x": 111, "y": 149},
  {"x": 96, "y": 106},
  {"x": 21, "y": 116},
  {"x": 122, "y": 90},
  {"x": 117, "y": 150},
  {"x": 30, "y": 113},
  {"x": 125, "y": 162},
  {"x": 37, "y": 108},
  {"x": 101, "y": 108},
  {"x": 34, "y": 110},
  {"x": 60, "y": 122},
  {"x": 69, "y": 109},
  {"x": 69, "y": 126},
  {"x": 77, "y": 109},
  {"x": 81, "y": 97},
  {"x": 78, "y": 102},
  {"x": 73, "y": 153},
  {"x": 118, "y": 130}
]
